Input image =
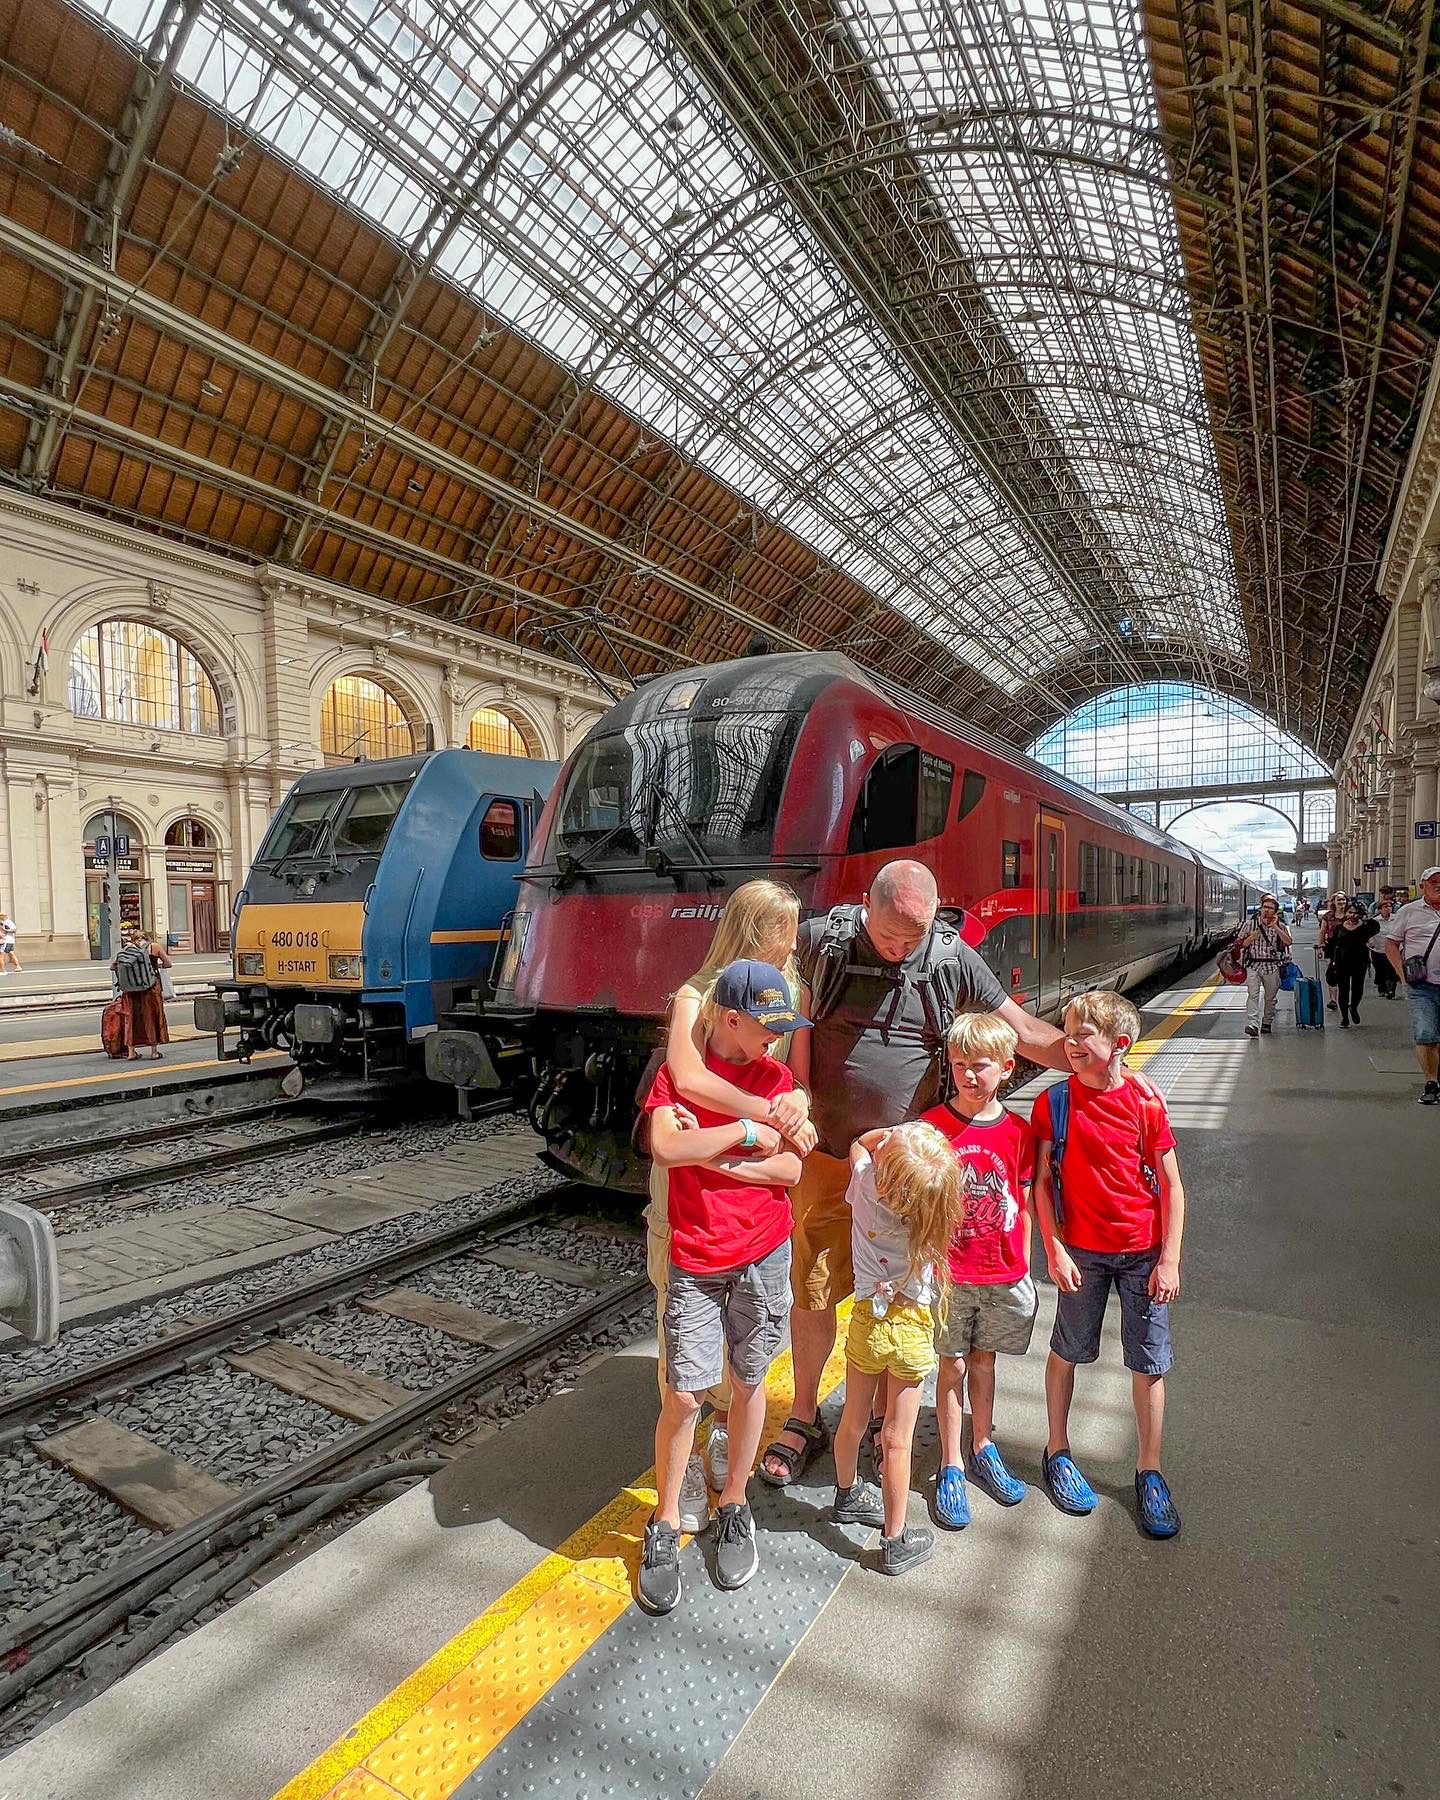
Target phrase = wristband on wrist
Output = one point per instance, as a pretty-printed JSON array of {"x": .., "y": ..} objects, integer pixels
[{"x": 751, "y": 1137}]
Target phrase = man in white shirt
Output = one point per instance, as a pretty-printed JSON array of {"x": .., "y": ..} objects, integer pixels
[
  {"x": 8, "y": 959},
  {"x": 1412, "y": 943}
]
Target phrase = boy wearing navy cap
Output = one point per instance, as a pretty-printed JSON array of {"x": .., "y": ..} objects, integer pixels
[{"x": 729, "y": 1291}]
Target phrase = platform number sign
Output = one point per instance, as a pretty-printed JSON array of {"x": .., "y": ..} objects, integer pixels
[
  {"x": 102, "y": 849},
  {"x": 122, "y": 845}
]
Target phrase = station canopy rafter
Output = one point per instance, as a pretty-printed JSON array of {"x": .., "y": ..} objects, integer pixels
[{"x": 1022, "y": 349}]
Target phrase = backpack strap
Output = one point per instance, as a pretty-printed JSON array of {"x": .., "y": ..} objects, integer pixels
[
  {"x": 825, "y": 975},
  {"x": 1058, "y": 1094}
]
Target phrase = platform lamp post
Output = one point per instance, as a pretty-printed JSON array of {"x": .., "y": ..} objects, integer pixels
[{"x": 112, "y": 885}]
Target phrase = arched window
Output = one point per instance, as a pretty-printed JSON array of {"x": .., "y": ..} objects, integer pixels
[
  {"x": 498, "y": 733},
  {"x": 126, "y": 670},
  {"x": 189, "y": 834},
  {"x": 360, "y": 718}
]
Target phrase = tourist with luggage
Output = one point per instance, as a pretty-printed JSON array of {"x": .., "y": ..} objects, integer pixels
[
  {"x": 136, "y": 970},
  {"x": 1264, "y": 948},
  {"x": 1350, "y": 959},
  {"x": 1412, "y": 942}
]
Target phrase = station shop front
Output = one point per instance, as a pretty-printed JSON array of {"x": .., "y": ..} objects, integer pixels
[{"x": 194, "y": 914}]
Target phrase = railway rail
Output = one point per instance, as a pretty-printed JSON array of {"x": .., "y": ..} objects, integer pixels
[{"x": 215, "y": 1551}]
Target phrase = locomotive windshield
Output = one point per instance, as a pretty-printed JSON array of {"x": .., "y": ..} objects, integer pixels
[
  {"x": 695, "y": 789},
  {"x": 342, "y": 821}
]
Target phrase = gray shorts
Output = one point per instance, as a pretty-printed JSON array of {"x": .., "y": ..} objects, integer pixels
[
  {"x": 1144, "y": 1323},
  {"x": 988, "y": 1316},
  {"x": 739, "y": 1310}
]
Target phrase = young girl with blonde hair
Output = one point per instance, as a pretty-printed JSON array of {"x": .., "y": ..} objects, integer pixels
[
  {"x": 758, "y": 924},
  {"x": 907, "y": 1201}
]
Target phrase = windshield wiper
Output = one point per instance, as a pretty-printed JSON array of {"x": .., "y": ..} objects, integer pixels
[
  {"x": 572, "y": 865},
  {"x": 660, "y": 860}
]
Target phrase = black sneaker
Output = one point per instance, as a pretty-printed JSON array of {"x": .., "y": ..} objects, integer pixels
[
  {"x": 858, "y": 1505},
  {"x": 736, "y": 1558},
  {"x": 1265, "y": 1031},
  {"x": 657, "y": 1586},
  {"x": 1431, "y": 1095},
  {"x": 1252, "y": 1031},
  {"x": 915, "y": 1545}
]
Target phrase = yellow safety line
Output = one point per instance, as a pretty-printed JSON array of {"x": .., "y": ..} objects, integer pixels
[
  {"x": 442, "y": 1722},
  {"x": 595, "y": 1556},
  {"x": 135, "y": 1071},
  {"x": 74, "y": 1045}
]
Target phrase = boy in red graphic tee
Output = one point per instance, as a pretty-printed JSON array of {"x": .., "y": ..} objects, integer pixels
[
  {"x": 1111, "y": 1208},
  {"x": 729, "y": 1277},
  {"x": 992, "y": 1298}
]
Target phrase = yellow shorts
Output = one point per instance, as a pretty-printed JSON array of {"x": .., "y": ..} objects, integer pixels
[
  {"x": 901, "y": 1344},
  {"x": 821, "y": 1272}
]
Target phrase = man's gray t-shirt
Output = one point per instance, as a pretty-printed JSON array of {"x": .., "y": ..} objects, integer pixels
[
  {"x": 1412, "y": 927},
  {"x": 873, "y": 1060}
]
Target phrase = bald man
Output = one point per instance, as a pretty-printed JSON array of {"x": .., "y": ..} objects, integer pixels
[{"x": 876, "y": 1056}]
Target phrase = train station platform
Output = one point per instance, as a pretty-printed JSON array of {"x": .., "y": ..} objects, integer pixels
[{"x": 477, "y": 1638}]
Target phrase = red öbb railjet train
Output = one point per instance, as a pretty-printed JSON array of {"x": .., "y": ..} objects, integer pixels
[{"x": 806, "y": 768}]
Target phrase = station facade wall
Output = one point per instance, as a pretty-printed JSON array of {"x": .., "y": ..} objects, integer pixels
[
  {"x": 1387, "y": 782},
  {"x": 171, "y": 696}
]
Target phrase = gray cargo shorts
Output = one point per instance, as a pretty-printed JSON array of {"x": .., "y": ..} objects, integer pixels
[
  {"x": 742, "y": 1310},
  {"x": 988, "y": 1316}
]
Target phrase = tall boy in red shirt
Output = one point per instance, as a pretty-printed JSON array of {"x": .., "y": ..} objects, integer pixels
[
  {"x": 1118, "y": 1218},
  {"x": 729, "y": 1281}
]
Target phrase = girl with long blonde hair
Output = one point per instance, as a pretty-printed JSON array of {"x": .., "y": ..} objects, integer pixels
[
  {"x": 907, "y": 1201},
  {"x": 758, "y": 924}
]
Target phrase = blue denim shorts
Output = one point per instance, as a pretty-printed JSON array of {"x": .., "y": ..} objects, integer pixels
[
  {"x": 1423, "y": 999},
  {"x": 1144, "y": 1323}
]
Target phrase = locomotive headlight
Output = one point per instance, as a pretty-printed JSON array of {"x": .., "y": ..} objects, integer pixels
[
  {"x": 250, "y": 962},
  {"x": 510, "y": 963},
  {"x": 345, "y": 968}
]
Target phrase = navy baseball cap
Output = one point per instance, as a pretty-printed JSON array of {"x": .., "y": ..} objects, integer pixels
[{"x": 759, "y": 989}]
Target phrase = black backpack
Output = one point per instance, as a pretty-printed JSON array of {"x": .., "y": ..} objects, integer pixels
[
  {"x": 134, "y": 970},
  {"x": 939, "y": 980}
]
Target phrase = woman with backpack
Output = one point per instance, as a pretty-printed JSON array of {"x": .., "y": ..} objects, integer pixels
[{"x": 136, "y": 969}]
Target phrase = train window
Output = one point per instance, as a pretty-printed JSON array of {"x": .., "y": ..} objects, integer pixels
[
  {"x": 886, "y": 812},
  {"x": 500, "y": 832},
  {"x": 937, "y": 777},
  {"x": 972, "y": 792},
  {"x": 1089, "y": 875},
  {"x": 1152, "y": 882},
  {"x": 1009, "y": 864},
  {"x": 363, "y": 821}
]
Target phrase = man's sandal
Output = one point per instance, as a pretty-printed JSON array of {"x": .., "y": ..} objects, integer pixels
[{"x": 817, "y": 1442}]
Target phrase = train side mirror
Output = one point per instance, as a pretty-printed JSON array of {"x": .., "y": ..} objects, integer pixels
[{"x": 29, "y": 1274}]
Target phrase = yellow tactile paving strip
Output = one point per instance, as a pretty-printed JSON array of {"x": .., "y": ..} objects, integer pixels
[
  {"x": 425, "y": 1738},
  {"x": 422, "y": 1740}
]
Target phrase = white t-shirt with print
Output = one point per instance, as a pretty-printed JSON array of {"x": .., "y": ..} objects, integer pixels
[{"x": 880, "y": 1245}]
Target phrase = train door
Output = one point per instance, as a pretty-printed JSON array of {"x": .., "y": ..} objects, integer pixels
[{"x": 1050, "y": 912}]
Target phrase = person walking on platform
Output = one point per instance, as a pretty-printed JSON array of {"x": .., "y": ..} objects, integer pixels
[
  {"x": 882, "y": 982},
  {"x": 1111, "y": 1209},
  {"x": 729, "y": 1220},
  {"x": 136, "y": 969},
  {"x": 1265, "y": 947},
  {"x": 8, "y": 959},
  {"x": 1330, "y": 920},
  {"x": 1350, "y": 959},
  {"x": 1412, "y": 942},
  {"x": 1386, "y": 984}
]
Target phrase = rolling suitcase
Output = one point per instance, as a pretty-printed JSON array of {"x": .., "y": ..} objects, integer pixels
[{"x": 1310, "y": 1001}]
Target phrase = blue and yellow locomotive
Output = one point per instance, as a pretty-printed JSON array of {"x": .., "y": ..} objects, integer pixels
[{"x": 374, "y": 909}]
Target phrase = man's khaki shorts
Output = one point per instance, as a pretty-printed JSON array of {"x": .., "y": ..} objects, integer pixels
[{"x": 821, "y": 1272}]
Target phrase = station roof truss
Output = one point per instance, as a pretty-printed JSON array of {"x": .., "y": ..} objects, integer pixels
[{"x": 948, "y": 333}]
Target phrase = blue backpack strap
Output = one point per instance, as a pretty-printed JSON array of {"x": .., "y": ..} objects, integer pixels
[{"x": 1058, "y": 1095}]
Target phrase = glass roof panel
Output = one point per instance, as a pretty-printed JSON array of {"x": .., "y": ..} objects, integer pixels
[{"x": 627, "y": 230}]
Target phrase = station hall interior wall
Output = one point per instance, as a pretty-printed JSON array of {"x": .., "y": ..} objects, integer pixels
[{"x": 270, "y": 641}]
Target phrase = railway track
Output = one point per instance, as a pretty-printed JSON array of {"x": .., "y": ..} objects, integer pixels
[{"x": 213, "y": 1539}]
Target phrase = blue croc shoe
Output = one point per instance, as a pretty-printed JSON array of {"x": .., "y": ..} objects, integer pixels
[
  {"x": 1066, "y": 1486},
  {"x": 1158, "y": 1517},
  {"x": 952, "y": 1503},
  {"x": 987, "y": 1470}
]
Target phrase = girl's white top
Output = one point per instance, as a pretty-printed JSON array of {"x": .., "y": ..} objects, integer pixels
[{"x": 880, "y": 1247}]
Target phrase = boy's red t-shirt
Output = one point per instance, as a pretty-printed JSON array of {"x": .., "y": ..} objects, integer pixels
[
  {"x": 718, "y": 1222},
  {"x": 1106, "y": 1200},
  {"x": 997, "y": 1161}
]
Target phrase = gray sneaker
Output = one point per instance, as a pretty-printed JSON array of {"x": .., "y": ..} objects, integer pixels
[
  {"x": 657, "y": 1586},
  {"x": 858, "y": 1505},
  {"x": 736, "y": 1558},
  {"x": 915, "y": 1545}
]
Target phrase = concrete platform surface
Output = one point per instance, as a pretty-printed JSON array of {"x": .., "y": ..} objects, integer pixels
[{"x": 1284, "y": 1645}]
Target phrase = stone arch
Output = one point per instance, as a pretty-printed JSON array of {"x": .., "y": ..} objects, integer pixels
[
  {"x": 171, "y": 610},
  {"x": 1240, "y": 800},
  {"x": 15, "y": 653},
  {"x": 524, "y": 709},
  {"x": 136, "y": 816},
  {"x": 399, "y": 682},
  {"x": 214, "y": 824}
]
